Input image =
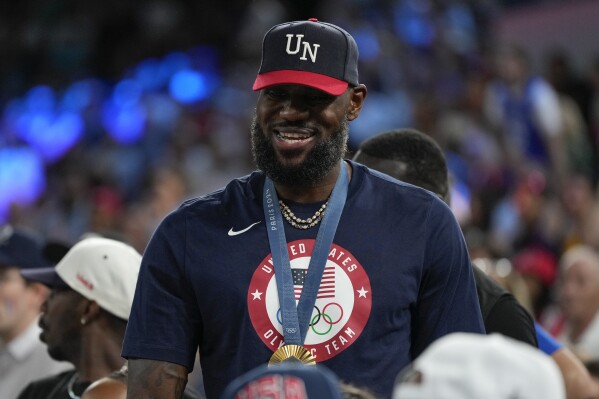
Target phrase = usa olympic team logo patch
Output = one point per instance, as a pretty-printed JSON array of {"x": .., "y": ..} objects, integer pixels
[{"x": 342, "y": 305}]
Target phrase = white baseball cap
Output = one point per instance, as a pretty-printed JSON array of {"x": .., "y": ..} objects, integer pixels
[
  {"x": 475, "y": 366},
  {"x": 102, "y": 270}
]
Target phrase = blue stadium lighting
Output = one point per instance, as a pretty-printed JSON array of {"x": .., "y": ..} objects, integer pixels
[
  {"x": 413, "y": 25},
  {"x": 188, "y": 86},
  {"x": 368, "y": 44},
  {"x": 65, "y": 132},
  {"x": 12, "y": 113},
  {"x": 127, "y": 93},
  {"x": 40, "y": 98},
  {"x": 151, "y": 75},
  {"x": 162, "y": 110},
  {"x": 22, "y": 178},
  {"x": 124, "y": 124},
  {"x": 29, "y": 124},
  {"x": 51, "y": 135},
  {"x": 175, "y": 62},
  {"x": 78, "y": 95}
]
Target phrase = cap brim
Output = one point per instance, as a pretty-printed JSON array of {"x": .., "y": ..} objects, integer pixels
[
  {"x": 325, "y": 83},
  {"x": 44, "y": 275}
]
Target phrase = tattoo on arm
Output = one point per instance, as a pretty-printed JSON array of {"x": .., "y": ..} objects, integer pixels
[{"x": 152, "y": 379}]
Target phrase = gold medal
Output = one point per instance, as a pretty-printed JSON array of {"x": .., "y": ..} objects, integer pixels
[{"x": 287, "y": 352}]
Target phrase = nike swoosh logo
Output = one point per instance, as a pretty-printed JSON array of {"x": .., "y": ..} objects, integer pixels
[{"x": 234, "y": 233}]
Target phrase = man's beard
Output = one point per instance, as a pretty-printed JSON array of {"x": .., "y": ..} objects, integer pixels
[{"x": 318, "y": 162}]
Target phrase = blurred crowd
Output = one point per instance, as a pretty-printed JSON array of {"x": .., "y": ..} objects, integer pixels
[{"x": 522, "y": 142}]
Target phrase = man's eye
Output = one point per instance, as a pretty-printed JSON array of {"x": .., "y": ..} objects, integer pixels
[
  {"x": 275, "y": 94},
  {"x": 320, "y": 99}
]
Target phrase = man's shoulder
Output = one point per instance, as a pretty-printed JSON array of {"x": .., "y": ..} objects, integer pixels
[
  {"x": 240, "y": 189},
  {"x": 489, "y": 292},
  {"x": 53, "y": 379},
  {"x": 501, "y": 311}
]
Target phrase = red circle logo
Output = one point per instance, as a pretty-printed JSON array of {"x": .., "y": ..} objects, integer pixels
[{"x": 342, "y": 305}]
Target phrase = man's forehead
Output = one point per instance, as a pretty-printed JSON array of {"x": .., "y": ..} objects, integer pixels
[{"x": 299, "y": 89}]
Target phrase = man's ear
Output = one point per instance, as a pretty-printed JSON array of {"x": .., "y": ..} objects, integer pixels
[
  {"x": 91, "y": 311},
  {"x": 356, "y": 100}
]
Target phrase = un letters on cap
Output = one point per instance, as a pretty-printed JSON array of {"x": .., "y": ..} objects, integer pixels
[{"x": 312, "y": 53}]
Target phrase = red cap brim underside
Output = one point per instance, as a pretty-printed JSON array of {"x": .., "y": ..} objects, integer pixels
[{"x": 325, "y": 83}]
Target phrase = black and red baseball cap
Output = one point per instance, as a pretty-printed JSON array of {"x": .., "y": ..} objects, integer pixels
[{"x": 310, "y": 53}]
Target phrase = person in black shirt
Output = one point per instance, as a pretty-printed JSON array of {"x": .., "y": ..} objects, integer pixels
[{"x": 415, "y": 158}]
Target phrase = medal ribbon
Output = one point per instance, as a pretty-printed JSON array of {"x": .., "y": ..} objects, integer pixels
[{"x": 296, "y": 319}]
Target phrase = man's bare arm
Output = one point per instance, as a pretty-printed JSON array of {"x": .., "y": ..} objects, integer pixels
[
  {"x": 577, "y": 379},
  {"x": 152, "y": 379}
]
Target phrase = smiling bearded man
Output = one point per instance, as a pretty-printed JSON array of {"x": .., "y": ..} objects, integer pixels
[
  {"x": 322, "y": 158},
  {"x": 302, "y": 260}
]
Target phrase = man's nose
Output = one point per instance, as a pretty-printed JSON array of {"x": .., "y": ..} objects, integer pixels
[{"x": 294, "y": 109}]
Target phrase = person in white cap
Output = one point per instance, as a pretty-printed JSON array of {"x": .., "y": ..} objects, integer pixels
[
  {"x": 473, "y": 366},
  {"x": 23, "y": 357},
  {"x": 85, "y": 316}
]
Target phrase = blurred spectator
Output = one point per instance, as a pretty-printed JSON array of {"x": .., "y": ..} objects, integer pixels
[
  {"x": 85, "y": 316},
  {"x": 106, "y": 213},
  {"x": 526, "y": 216},
  {"x": 467, "y": 366},
  {"x": 581, "y": 205},
  {"x": 524, "y": 110},
  {"x": 578, "y": 297},
  {"x": 575, "y": 97},
  {"x": 567, "y": 82},
  {"x": 463, "y": 131},
  {"x": 538, "y": 267},
  {"x": 23, "y": 357},
  {"x": 502, "y": 272},
  {"x": 577, "y": 379},
  {"x": 594, "y": 114}
]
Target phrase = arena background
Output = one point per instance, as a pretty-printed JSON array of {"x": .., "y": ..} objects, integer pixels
[{"x": 114, "y": 112}]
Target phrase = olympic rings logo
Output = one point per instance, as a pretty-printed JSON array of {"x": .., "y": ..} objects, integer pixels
[{"x": 327, "y": 320}]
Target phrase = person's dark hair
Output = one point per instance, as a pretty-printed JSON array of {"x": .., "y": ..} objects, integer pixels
[{"x": 408, "y": 155}]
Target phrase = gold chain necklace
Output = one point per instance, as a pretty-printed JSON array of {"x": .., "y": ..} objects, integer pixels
[{"x": 302, "y": 223}]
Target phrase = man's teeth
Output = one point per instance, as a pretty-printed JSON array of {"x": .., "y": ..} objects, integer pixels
[{"x": 294, "y": 136}]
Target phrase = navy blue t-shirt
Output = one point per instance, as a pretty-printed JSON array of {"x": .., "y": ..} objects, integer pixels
[{"x": 398, "y": 276}]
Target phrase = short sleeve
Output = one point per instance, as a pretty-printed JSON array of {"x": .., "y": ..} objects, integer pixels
[
  {"x": 165, "y": 320},
  {"x": 447, "y": 300}
]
